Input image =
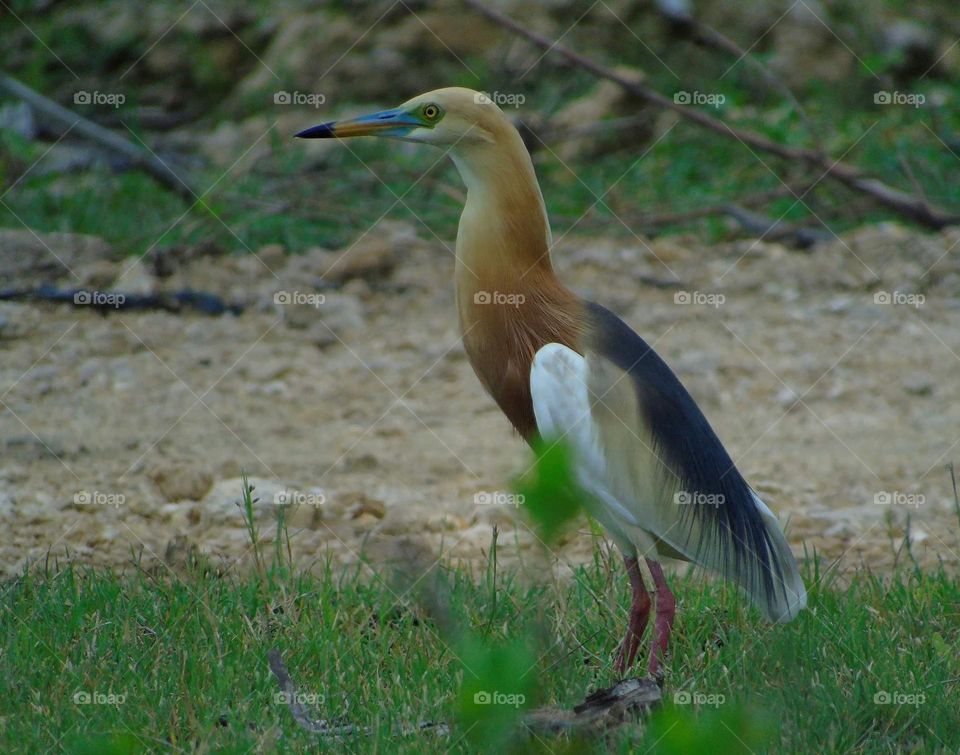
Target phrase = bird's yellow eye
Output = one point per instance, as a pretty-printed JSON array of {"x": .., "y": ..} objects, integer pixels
[{"x": 431, "y": 112}]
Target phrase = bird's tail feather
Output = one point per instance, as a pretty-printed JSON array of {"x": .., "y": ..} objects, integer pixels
[{"x": 781, "y": 597}]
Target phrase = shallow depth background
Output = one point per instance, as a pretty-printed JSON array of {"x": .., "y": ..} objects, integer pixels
[{"x": 829, "y": 371}]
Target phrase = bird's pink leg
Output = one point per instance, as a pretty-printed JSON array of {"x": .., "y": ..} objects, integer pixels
[
  {"x": 663, "y": 623},
  {"x": 639, "y": 613}
]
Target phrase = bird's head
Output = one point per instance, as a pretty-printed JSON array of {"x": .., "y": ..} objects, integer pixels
[{"x": 451, "y": 117}]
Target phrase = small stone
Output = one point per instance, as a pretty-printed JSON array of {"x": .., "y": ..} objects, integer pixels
[
  {"x": 367, "y": 506},
  {"x": 365, "y": 521},
  {"x": 181, "y": 481},
  {"x": 272, "y": 255},
  {"x": 135, "y": 278},
  {"x": 98, "y": 274},
  {"x": 787, "y": 398}
]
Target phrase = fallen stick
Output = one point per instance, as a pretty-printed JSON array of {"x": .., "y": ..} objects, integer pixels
[
  {"x": 907, "y": 205},
  {"x": 107, "y": 301},
  {"x": 606, "y": 708},
  {"x": 103, "y": 137}
]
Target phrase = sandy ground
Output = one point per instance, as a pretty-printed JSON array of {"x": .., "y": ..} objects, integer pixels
[{"x": 127, "y": 433}]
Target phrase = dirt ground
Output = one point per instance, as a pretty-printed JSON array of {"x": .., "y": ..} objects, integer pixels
[{"x": 830, "y": 375}]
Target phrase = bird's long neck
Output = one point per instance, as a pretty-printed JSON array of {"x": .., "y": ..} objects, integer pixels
[{"x": 509, "y": 300}]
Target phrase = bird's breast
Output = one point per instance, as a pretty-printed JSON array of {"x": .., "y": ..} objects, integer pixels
[{"x": 502, "y": 331}]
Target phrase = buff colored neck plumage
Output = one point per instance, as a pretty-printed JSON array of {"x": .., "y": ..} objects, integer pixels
[{"x": 509, "y": 300}]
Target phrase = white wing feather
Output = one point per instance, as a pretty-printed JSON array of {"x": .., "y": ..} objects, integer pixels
[{"x": 623, "y": 478}]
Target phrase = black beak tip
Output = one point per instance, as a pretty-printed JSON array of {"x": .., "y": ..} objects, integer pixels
[{"x": 323, "y": 131}]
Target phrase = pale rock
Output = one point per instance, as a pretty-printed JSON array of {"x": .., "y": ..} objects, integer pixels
[
  {"x": 181, "y": 480},
  {"x": 366, "y": 506}
]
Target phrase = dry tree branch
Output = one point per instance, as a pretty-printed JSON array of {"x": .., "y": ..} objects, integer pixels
[
  {"x": 907, "y": 205},
  {"x": 101, "y": 136}
]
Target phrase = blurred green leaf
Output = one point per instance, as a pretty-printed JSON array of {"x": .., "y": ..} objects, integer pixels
[
  {"x": 499, "y": 682},
  {"x": 549, "y": 492},
  {"x": 721, "y": 730},
  {"x": 105, "y": 744}
]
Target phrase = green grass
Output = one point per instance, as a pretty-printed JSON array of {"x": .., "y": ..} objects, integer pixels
[{"x": 184, "y": 655}]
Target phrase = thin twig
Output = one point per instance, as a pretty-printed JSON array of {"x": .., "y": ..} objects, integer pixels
[
  {"x": 702, "y": 33},
  {"x": 956, "y": 498}
]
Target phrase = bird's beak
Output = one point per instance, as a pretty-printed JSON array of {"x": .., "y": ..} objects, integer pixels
[{"x": 395, "y": 123}]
